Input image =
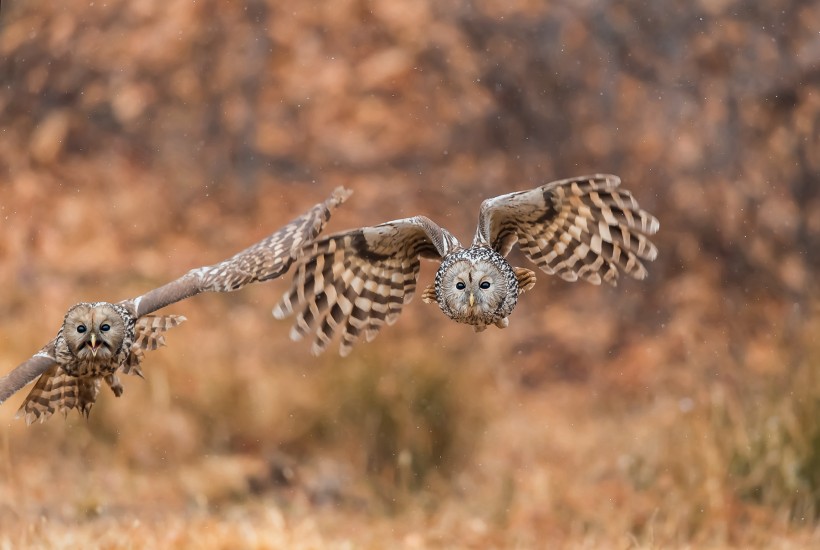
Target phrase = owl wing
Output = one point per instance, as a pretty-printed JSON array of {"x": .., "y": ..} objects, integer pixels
[
  {"x": 27, "y": 371},
  {"x": 267, "y": 259},
  {"x": 356, "y": 281},
  {"x": 578, "y": 227}
]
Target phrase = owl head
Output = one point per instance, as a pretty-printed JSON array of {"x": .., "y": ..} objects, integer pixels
[
  {"x": 476, "y": 286},
  {"x": 94, "y": 331}
]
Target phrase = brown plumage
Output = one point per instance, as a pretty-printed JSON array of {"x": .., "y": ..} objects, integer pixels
[
  {"x": 98, "y": 340},
  {"x": 355, "y": 282},
  {"x": 95, "y": 342}
]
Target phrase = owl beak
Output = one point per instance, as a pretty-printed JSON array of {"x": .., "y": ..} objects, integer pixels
[
  {"x": 94, "y": 345},
  {"x": 472, "y": 299}
]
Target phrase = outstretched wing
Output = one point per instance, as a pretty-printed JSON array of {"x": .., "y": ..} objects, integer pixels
[
  {"x": 267, "y": 259},
  {"x": 578, "y": 227},
  {"x": 356, "y": 281},
  {"x": 27, "y": 371}
]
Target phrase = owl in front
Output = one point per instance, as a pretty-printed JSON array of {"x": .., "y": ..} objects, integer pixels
[
  {"x": 354, "y": 282},
  {"x": 100, "y": 340}
]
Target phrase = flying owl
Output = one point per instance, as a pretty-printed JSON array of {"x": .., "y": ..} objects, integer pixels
[
  {"x": 99, "y": 340},
  {"x": 356, "y": 281}
]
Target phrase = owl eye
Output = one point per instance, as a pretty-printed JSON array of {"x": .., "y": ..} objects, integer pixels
[
  {"x": 81, "y": 328},
  {"x": 460, "y": 285},
  {"x": 485, "y": 285},
  {"x": 105, "y": 328}
]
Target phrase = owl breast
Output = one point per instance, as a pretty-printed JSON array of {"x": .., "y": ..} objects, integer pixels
[{"x": 476, "y": 286}]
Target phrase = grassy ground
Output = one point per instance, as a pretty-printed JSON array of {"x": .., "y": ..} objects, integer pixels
[{"x": 455, "y": 444}]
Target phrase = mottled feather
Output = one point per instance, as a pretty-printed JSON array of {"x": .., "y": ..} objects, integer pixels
[
  {"x": 268, "y": 259},
  {"x": 582, "y": 227},
  {"x": 357, "y": 281}
]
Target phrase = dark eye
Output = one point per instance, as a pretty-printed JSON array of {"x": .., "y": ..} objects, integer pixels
[
  {"x": 105, "y": 328},
  {"x": 460, "y": 285},
  {"x": 485, "y": 285},
  {"x": 80, "y": 328}
]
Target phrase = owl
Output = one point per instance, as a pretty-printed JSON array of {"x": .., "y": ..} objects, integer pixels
[
  {"x": 99, "y": 340},
  {"x": 354, "y": 282}
]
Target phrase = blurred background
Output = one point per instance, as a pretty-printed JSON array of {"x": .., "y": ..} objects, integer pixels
[{"x": 141, "y": 139}]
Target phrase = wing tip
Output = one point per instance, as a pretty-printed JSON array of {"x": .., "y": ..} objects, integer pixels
[{"x": 339, "y": 196}]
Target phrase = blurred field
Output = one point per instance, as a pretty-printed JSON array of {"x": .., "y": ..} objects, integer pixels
[{"x": 141, "y": 139}]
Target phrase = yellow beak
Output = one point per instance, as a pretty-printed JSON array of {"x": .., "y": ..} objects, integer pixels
[
  {"x": 472, "y": 299},
  {"x": 94, "y": 347}
]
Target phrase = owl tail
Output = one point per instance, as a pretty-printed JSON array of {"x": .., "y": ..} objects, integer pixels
[
  {"x": 148, "y": 336},
  {"x": 57, "y": 391}
]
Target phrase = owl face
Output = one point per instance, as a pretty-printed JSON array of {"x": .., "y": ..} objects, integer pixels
[
  {"x": 94, "y": 332},
  {"x": 474, "y": 290}
]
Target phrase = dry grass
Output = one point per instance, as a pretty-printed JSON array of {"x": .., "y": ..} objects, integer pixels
[
  {"x": 562, "y": 428},
  {"x": 418, "y": 450}
]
